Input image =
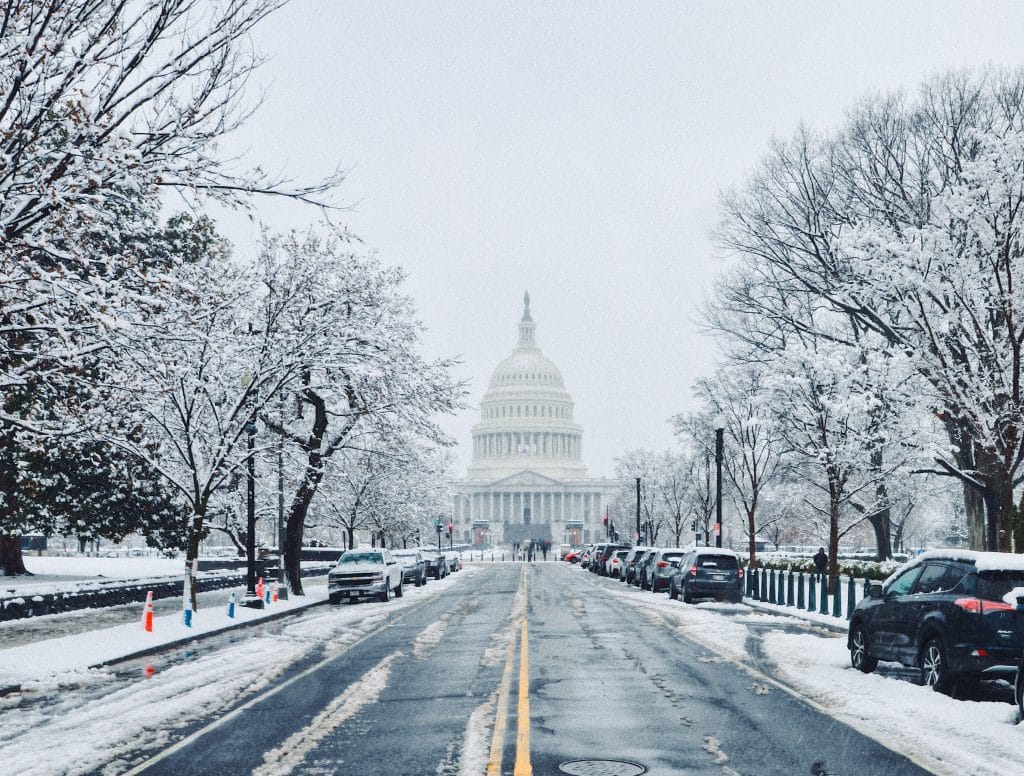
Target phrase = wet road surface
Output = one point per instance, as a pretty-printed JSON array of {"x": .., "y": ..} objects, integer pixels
[{"x": 519, "y": 669}]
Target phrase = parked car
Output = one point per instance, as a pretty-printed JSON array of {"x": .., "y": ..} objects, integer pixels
[
  {"x": 573, "y": 556},
  {"x": 614, "y": 564},
  {"x": 437, "y": 567},
  {"x": 364, "y": 574},
  {"x": 604, "y": 554},
  {"x": 454, "y": 561},
  {"x": 628, "y": 573},
  {"x": 707, "y": 572},
  {"x": 586, "y": 556},
  {"x": 660, "y": 566},
  {"x": 948, "y": 613},
  {"x": 641, "y": 567},
  {"x": 597, "y": 558},
  {"x": 414, "y": 566}
]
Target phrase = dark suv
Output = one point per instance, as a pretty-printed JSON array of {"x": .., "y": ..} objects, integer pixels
[
  {"x": 945, "y": 614},
  {"x": 707, "y": 572}
]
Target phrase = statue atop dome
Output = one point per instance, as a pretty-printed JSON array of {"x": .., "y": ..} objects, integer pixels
[{"x": 526, "y": 326}]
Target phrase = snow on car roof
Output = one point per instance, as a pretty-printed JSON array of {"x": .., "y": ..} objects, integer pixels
[
  {"x": 714, "y": 551},
  {"x": 983, "y": 561}
]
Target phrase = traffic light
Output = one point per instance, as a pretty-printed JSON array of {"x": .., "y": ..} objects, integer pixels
[
  {"x": 606, "y": 519},
  {"x": 450, "y": 529}
]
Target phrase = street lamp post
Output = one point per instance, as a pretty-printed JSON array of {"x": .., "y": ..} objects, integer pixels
[
  {"x": 638, "y": 509},
  {"x": 282, "y": 592},
  {"x": 719, "y": 445},
  {"x": 252, "y": 600}
]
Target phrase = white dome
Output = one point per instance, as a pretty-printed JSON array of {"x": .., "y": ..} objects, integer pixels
[{"x": 526, "y": 416}]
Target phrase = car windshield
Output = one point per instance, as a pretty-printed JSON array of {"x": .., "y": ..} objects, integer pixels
[
  {"x": 428, "y": 554},
  {"x": 672, "y": 555},
  {"x": 993, "y": 585},
  {"x": 360, "y": 557},
  {"x": 716, "y": 561}
]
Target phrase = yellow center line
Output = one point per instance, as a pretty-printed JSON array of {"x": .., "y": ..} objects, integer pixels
[
  {"x": 501, "y": 716},
  {"x": 523, "y": 766}
]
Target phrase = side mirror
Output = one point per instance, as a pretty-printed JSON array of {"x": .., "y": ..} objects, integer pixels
[{"x": 874, "y": 590}]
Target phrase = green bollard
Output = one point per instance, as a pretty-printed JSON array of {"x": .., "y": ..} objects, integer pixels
[
  {"x": 824, "y": 595},
  {"x": 781, "y": 598},
  {"x": 811, "y": 585},
  {"x": 763, "y": 579},
  {"x": 837, "y": 599},
  {"x": 789, "y": 588},
  {"x": 771, "y": 586},
  {"x": 800, "y": 590},
  {"x": 851, "y": 597}
]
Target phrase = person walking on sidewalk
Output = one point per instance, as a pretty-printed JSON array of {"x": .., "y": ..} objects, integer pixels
[{"x": 821, "y": 563}]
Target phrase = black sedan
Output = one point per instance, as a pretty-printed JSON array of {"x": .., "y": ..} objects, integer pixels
[{"x": 414, "y": 566}]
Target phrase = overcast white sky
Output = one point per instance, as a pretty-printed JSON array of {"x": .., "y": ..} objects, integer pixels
[{"x": 574, "y": 150}]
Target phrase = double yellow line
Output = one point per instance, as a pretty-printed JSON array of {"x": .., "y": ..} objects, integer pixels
[{"x": 522, "y": 766}]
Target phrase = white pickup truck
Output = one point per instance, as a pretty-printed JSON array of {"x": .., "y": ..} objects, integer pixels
[{"x": 365, "y": 573}]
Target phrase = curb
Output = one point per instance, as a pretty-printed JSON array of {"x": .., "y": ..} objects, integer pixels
[{"x": 795, "y": 614}]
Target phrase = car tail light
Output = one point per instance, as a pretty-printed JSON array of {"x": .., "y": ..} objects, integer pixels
[
  {"x": 662, "y": 564},
  {"x": 979, "y": 653},
  {"x": 980, "y": 606},
  {"x": 693, "y": 571},
  {"x": 739, "y": 572}
]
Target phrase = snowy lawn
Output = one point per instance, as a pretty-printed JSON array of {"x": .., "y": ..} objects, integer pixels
[
  {"x": 123, "y": 718},
  {"x": 942, "y": 734},
  {"x": 61, "y": 574}
]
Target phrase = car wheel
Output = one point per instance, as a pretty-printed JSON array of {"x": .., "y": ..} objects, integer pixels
[
  {"x": 1018, "y": 688},
  {"x": 934, "y": 668},
  {"x": 672, "y": 592},
  {"x": 400, "y": 590},
  {"x": 386, "y": 595},
  {"x": 859, "y": 657},
  {"x": 687, "y": 596},
  {"x": 334, "y": 598}
]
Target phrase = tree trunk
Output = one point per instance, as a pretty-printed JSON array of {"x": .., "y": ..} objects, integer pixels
[
  {"x": 881, "y": 523},
  {"x": 974, "y": 513},
  {"x": 195, "y": 531},
  {"x": 11, "y": 562},
  {"x": 752, "y": 538},
  {"x": 296, "y": 522}
]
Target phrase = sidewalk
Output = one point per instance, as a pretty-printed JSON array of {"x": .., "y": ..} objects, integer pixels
[{"x": 66, "y": 656}]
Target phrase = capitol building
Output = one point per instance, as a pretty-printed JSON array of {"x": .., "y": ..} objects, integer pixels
[{"x": 527, "y": 480}]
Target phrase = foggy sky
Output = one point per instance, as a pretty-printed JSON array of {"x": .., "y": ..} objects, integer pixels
[{"x": 574, "y": 150}]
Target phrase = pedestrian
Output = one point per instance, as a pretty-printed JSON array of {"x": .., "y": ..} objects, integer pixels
[{"x": 821, "y": 562}]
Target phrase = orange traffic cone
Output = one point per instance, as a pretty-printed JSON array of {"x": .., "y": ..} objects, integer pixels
[
  {"x": 147, "y": 613},
  {"x": 259, "y": 588},
  {"x": 273, "y": 596}
]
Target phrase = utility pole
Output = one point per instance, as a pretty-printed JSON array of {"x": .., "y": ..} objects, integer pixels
[
  {"x": 638, "y": 510},
  {"x": 282, "y": 592},
  {"x": 719, "y": 444}
]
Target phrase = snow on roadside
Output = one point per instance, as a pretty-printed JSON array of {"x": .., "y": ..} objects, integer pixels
[
  {"x": 945, "y": 735},
  {"x": 147, "y": 713},
  {"x": 54, "y": 657}
]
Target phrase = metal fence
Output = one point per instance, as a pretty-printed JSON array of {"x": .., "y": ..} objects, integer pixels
[{"x": 810, "y": 592}]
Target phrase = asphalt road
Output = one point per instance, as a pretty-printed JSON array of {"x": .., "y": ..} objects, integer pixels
[{"x": 517, "y": 670}]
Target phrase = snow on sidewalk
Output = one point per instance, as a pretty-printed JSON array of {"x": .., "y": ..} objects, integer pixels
[{"x": 64, "y": 654}]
